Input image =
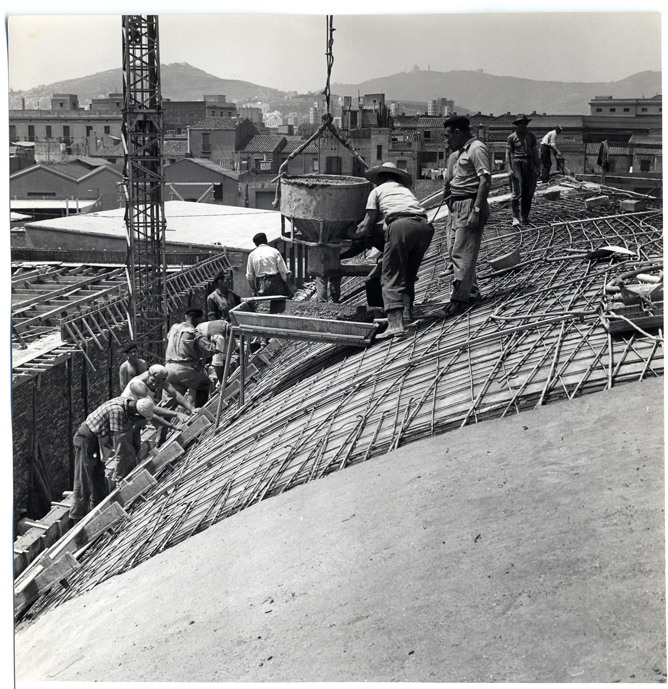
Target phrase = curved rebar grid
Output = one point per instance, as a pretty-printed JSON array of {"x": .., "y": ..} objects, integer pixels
[{"x": 320, "y": 408}]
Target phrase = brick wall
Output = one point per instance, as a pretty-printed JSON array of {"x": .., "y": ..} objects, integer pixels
[{"x": 48, "y": 409}]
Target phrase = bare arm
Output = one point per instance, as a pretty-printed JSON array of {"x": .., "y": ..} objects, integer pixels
[
  {"x": 369, "y": 221},
  {"x": 184, "y": 402},
  {"x": 481, "y": 197}
]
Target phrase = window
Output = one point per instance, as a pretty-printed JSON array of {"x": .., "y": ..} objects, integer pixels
[
  {"x": 48, "y": 131},
  {"x": 333, "y": 164},
  {"x": 643, "y": 109},
  {"x": 379, "y": 152},
  {"x": 89, "y": 130},
  {"x": 599, "y": 109},
  {"x": 60, "y": 104},
  {"x": 107, "y": 129},
  {"x": 626, "y": 109},
  {"x": 213, "y": 113},
  {"x": 427, "y": 135},
  {"x": 31, "y": 132},
  {"x": 12, "y": 132},
  {"x": 118, "y": 104},
  {"x": 206, "y": 142},
  {"x": 316, "y": 165},
  {"x": 218, "y": 192},
  {"x": 66, "y": 132},
  {"x": 613, "y": 109},
  {"x": 401, "y": 164},
  {"x": 41, "y": 193},
  {"x": 178, "y": 130},
  {"x": 644, "y": 166}
]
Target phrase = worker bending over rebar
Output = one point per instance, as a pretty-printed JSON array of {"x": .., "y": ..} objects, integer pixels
[
  {"x": 186, "y": 347},
  {"x": 407, "y": 237},
  {"x": 104, "y": 451}
]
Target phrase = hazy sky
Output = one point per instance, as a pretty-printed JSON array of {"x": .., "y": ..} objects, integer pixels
[{"x": 288, "y": 51}]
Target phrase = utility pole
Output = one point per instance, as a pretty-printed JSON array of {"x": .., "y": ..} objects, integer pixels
[{"x": 144, "y": 182}]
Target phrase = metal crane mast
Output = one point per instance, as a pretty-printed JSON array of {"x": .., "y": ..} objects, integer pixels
[{"x": 144, "y": 182}]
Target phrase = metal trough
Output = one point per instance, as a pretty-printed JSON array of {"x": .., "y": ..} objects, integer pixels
[
  {"x": 249, "y": 321},
  {"x": 323, "y": 207}
]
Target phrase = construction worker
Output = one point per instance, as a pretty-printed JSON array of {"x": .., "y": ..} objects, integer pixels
[
  {"x": 222, "y": 299},
  {"x": 103, "y": 450},
  {"x": 266, "y": 271},
  {"x": 407, "y": 237},
  {"x": 522, "y": 163},
  {"x": 132, "y": 366},
  {"x": 218, "y": 333},
  {"x": 186, "y": 347},
  {"x": 218, "y": 305},
  {"x": 548, "y": 145},
  {"x": 468, "y": 185}
]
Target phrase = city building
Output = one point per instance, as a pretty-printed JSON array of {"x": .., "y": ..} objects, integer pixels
[
  {"x": 202, "y": 181},
  {"x": 440, "y": 107},
  {"x": 219, "y": 138}
]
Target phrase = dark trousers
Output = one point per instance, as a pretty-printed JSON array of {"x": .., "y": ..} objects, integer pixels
[
  {"x": 522, "y": 186},
  {"x": 546, "y": 162},
  {"x": 464, "y": 246},
  {"x": 334, "y": 284},
  {"x": 90, "y": 486},
  {"x": 406, "y": 241},
  {"x": 272, "y": 285},
  {"x": 185, "y": 377}
]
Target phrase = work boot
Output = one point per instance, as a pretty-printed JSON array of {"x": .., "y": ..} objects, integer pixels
[
  {"x": 516, "y": 221},
  {"x": 395, "y": 327},
  {"x": 525, "y": 220},
  {"x": 407, "y": 314},
  {"x": 452, "y": 308}
]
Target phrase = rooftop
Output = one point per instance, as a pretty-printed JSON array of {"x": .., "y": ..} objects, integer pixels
[
  {"x": 537, "y": 337},
  {"x": 216, "y": 124}
]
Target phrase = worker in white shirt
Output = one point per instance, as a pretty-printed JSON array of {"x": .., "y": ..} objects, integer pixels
[
  {"x": 266, "y": 271},
  {"x": 548, "y": 145}
]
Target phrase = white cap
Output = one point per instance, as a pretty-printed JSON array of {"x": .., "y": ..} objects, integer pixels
[
  {"x": 158, "y": 370},
  {"x": 145, "y": 407}
]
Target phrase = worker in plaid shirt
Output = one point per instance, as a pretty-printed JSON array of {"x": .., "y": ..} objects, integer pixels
[{"x": 103, "y": 445}]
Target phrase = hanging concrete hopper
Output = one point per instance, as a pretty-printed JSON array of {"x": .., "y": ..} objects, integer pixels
[{"x": 323, "y": 207}]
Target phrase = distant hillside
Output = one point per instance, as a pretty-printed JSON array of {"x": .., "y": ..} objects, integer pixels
[
  {"x": 471, "y": 90},
  {"x": 487, "y": 93},
  {"x": 180, "y": 81}
]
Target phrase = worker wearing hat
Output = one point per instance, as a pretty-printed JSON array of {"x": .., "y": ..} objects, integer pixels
[
  {"x": 548, "y": 146},
  {"x": 266, "y": 271},
  {"x": 103, "y": 450},
  {"x": 522, "y": 165},
  {"x": 186, "y": 347},
  {"x": 467, "y": 184},
  {"x": 132, "y": 366},
  {"x": 407, "y": 237}
]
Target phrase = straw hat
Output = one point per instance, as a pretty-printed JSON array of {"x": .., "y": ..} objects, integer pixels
[
  {"x": 373, "y": 174},
  {"x": 521, "y": 118}
]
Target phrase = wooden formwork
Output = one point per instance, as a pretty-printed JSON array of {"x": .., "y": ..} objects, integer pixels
[{"x": 537, "y": 337}]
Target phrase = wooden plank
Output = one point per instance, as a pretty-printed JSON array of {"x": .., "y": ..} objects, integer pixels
[
  {"x": 192, "y": 430},
  {"x": 128, "y": 490},
  {"x": 43, "y": 581},
  {"x": 166, "y": 454}
]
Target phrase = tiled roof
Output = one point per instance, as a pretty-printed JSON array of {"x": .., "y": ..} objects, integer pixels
[
  {"x": 265, "y": 143},
  {"x": 646, "y": 139},
  {"x": 116, "y": 151},
  {"x": 431, "y": 122},
  {"x": 175, "y": 147},
  {"x": 214, "y": 167},
  {"x": 216, "y": 123},
  {"x": 294, "y": 142}
]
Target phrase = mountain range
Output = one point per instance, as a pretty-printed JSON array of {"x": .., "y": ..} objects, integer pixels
[{"x": 475, "y": 91}]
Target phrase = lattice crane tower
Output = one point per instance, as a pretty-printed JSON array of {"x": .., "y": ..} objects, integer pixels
[{"x": 144, "y": 182}]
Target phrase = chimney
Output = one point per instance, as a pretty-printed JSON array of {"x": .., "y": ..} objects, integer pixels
[{"x": 23, "y": 103}]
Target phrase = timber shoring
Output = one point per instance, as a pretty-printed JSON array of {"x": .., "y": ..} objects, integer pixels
[{"x": 537, "y": 337}]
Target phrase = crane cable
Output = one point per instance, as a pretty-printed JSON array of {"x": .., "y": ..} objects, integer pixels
[{"x": 326, "y": 119}]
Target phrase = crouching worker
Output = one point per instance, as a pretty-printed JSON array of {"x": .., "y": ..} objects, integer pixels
[
  {"x": 103, "y": 445},
  {"x": 186, "y": 347},
  {"x": 407, "y": 238}
]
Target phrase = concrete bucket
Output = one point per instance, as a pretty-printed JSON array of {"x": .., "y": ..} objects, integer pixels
[{"x": 323, "y": 207}]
